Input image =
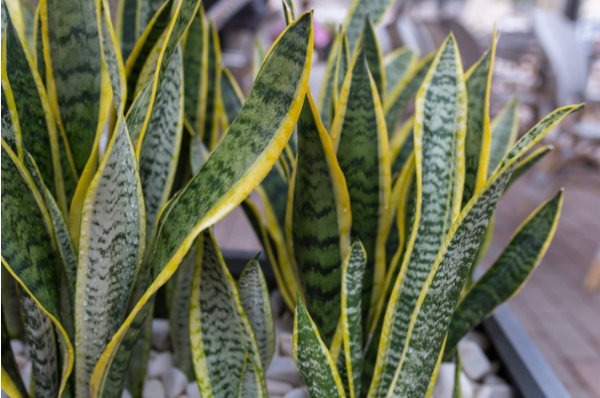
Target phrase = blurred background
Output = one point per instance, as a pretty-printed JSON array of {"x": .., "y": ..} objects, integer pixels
[{"x": 548, "y": 56}]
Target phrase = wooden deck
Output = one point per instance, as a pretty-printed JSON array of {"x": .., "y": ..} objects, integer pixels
[{"x": 561, "y": 318}]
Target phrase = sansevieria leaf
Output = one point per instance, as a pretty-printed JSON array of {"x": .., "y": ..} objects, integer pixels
[
  {"x": 505, "y": 128},
  {"x": 341, "y": 68},
  {"x": 254, "y": 296},
  {"x": 439, "y": 133},
  {"x": 113, "y": 237},
  {"x": 358, "y": 13},
  {"x": 397, "y": 64},
  {"x": 313, "y": 359},
  {"x": 353, "y": 271},
  {"x": 457, "y": 390},
  {"x": 232, "y": 96},
  {"x": 360, "y": 138},
  {"x": 195, "y": 66},
  {"x": 225, "y": 180},
  {"x": 374, "y": 58},
  {"x": 11, "y": 129},
  {"x": 510, "y": 271},
  {"x": 479, "y": 135},
  {"x": 27, "y": 249},
  {"x": 529, "y": 161},
  {"x": 435, "y": 305},
  {"x": 221, "y": 335},
  {"x": 210, "y": 130},
  {"x": 250, "y": 383},
  {"x": 327, "y": 96},
  {"x": 319, "y": 220},
  {"x": 72, "y": 57}
]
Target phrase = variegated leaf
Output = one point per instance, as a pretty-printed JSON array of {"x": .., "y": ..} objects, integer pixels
[
  {"x": 404, "y": 91},
  {"x": 232, "y": 96},
  {"x": 195, "y": 66},
  {"x": 479, "y": 136},
  {"x": 508, "y": 273},
  {"x": 198, "y": 153},
  {"x": 313, "y": 359},
  {"x": 10, "y": 306},
  {"x": 505, "y": 128},
  {"x": 326, "y": 100},
  {"x": 162, "y": 142},
  {"x": 221, "y": 184},
  {"x": 319, "y": 220},
  {"x": 143, "y": 48},
  {"x": 358, "y": 12},
  {"x": 11, "y": 129},
  {"x": 39, "y": 135},
  {"x": 250, "y": 383},
  {"x": 126, "y": 32},
  {"x": 439, "y": 144},
  {"x": 72, "y": 56},
  {"x": 12, "y": 383},
  {"x": 360, "y": 138},
  {"x": 210, "y": 130},
  {"x": 402, "y": 145},
  {"x": 111, "y": 249},
  {"x": 254, "y": 296},
  {"x": 221, "y": 335},
  {"x": 40, "y": 337},
  {"x": 374, "y": 58},
  {"x": 397, "y": 64},
  {"x": 27, "y": 249},
  {"x": 353, "y": 271},
  {"x": 529, "y": 161},
  {"x": 179, "y": 313},
  {"x": 341, "y": 68}
]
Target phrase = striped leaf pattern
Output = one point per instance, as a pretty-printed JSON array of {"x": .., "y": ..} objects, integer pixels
[
  {"x": 221, "y": 335},
  {"x": 210, "y": 130},
  {"x": 359, "y": 135},
  {"x": 326, "y": 99},
  {"x": 397, "y": 64},
  {"x": 162, "y": 142},
  {"x": 319, "y": 220},
  {"x": 358, "y": 13},
  {"x": 505, "y": 128},
  {"x": 404, "y": 91},
  {"x": 32, "y": 106},
  {"x": 477, "y": 143},
  {"x": 374, "y": 58},
  {"x": 11, "y": 130},
  {"x": 12, "y": 383},
  {"x": 529, "y": 161},
  {"x": 110, "y": 253},
  {"x": 72, "y": 57},
  {"x": 353, "y": 271},
  {"x": 438, "y": 298},
  {"x": 254, "y": 296},
  {"x": 39, "y": 335},
  {"x": 439, "y": 144},
  {"x": 195, "y": 66},
  {"x": 27, "y": 250},
  {"x": 341, "y": 68},
  {"x": 225, "y": 180},
  {"x": 250, "y": 383},
  {"x": 509, "y": 272},
  {"x": 313, "y": 359}
]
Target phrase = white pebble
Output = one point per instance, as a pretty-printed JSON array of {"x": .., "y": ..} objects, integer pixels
[
  {"x": 444, "y": 384},
  {"x": 284, "y": 369},
  {"x": 494, "y": 380},
  {"x": 474, "y": 361},
  {"x": 175, "y": 382},
  {"x": 298, "y": 393},
  {"x": 159, "y": 365},
  {"x": 494, "y": 391},
  {"x": 21, "y": 360},
  {"x": 192, "y": 390},
  {"x": 285, "y": 344},
  {"x": 26, "y": 376},
  {"x": 126, "y": 394},
  {"x": 160, "y": 334},
  {"x": 275, "y": 387},
  {"x": 17, "y": 347},
  {"x": 153, "y": 389},
  {"x": 478, "y": 338}
]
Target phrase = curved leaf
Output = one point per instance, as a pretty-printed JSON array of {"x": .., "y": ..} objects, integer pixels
[
  {"x": 319, "y": 220},
  {"x": 509, "y": 272},
  {"x": 439, "y": 144},
  {"x": 221, "y": 335},
  {"x": 314, "y": 362},
  {"x": 27, "y": 249},
  {"x": 358, "y": 12},
  {"x": 397, "y": 64},
  {"x": 110, "y": 253},
  {"x": 11, "y": 129},
  {"x": 479, "y": 136},
  {"x": 505, "y": 128},
  {"x": 224, "y": 180},
  {"x": 250, "y": 383},
  {"x": 353, "y": 271},
  {"x": 374, "y": 58},
  {"x": 254, "y": 296},
  {"x": 360, "y": 138}
]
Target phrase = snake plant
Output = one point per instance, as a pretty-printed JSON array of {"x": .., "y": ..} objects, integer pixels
[{"x": 122, "y": 146}]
